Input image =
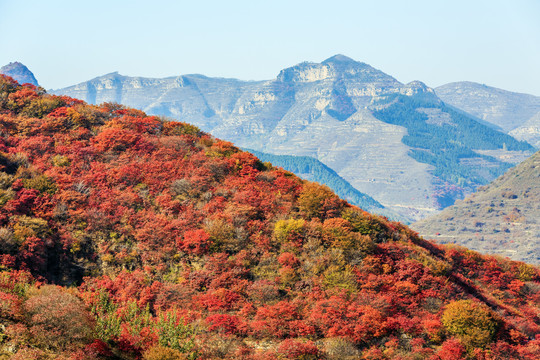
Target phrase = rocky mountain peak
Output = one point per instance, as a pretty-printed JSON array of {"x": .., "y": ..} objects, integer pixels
[
  {"x": 19, "y": 72},
  {"x": 336, "y": 67},
  {"x": 339, "y": 58},
  {"x": 306, "y": 72},
  {"x": 417, "y": 87}
]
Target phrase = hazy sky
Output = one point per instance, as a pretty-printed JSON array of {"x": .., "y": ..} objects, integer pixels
[{"x": 436, "y": 41}]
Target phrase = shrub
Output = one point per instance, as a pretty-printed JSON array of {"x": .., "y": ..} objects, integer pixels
[
  {"x": 159, "y": 352},
  {"x": 451, "y": 349},
  {"x": 288, "y": 230},
  {"x": 312, "y": 199},
  {"x": 57, "y": 318},
  {"x": 175, "y": 334},
  {"x": 295, "y": 349},
  {"x": 196, "y": 242},
  {"x": 471, "y": 322},
  {"x": 41, "y": 183},
  {"x": 340, "y": 349}
]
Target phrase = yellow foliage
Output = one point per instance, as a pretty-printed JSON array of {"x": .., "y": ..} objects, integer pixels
[
  {"x": 6, "y": 195},
  {"x": 340, "y": 277},
  {"x": 527, "y": 272},
  {"x": 159, "y": 352},
  {"x": 362, "y": 222},
  {"x": 472, "y": 322},
  {"x": 285, "y": 228},
  {"x": 26, "y": 226},
  {"x": 312, "y": 198},
  {"x": 6, "y": 180},
  {"x": 60, "y": 160},
  {"x": 41, "y": 183},
  {"x": 338, "y": 233}
]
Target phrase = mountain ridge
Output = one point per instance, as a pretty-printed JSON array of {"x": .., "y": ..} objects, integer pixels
[{"x": 506, "y": 109}]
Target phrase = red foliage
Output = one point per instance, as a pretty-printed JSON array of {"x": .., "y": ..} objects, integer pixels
[
  {"x": 288, "y": 259},
  {"x": 195, "y": 242},
  {"x": 294, "y": 349},
  {"x": 163, "y": 217},
  {"x": 228, "y": 324}
]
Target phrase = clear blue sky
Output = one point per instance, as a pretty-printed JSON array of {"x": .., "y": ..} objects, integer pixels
[{"x": 435, "y": 41}]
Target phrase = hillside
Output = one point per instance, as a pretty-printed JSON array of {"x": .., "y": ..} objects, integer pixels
[
  {"x": 504, "y": 109},
  {"x": 529, "y": 131},
  {"x": 501, "y": 218},
  {"x": 334, "y": 111},
  {"x": 313, "y": 170},
  {"x": 125, "y": 236}
]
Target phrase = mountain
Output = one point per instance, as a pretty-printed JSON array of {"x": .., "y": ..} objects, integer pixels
[
  {"x": 501, "y": 218},
  {"x": 126, "y": 236},
  {"x": 505, "y": 109},
  {"x": 313, "y": 170},
  {"x": 372, "y": 130},
  {"x": 529, "y": 131},
  {"x": 19, "y": 72}
]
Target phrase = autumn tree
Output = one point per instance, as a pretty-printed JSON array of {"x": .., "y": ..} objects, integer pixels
[{"x": 470, "y": 321}]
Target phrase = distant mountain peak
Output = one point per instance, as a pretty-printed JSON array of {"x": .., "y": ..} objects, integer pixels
[
  {"x": 339, "y": 58},
  {"x": 19, "y": 72},
  {"x": 334, "y": 67}
]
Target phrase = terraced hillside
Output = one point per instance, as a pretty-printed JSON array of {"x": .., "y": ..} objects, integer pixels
[{"x": 501, "y": 218}]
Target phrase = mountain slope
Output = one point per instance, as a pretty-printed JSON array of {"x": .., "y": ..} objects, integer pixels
[
  {"x": 167, "y": 243},
  {"x": 529, "y": 131},
  {"x": 333, "y": 111},
  {"x": 501, "y": 218},
  {"x": 19, "y": 72},
  {"x": 313, "y": 170},
  {"x": 505, "y": 109}
]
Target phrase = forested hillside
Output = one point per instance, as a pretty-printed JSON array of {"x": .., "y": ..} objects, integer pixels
[
  {"x": 448, "y": 140},
  {"x": 312, "y": 169},
  {"x": 124, "y": 236}
]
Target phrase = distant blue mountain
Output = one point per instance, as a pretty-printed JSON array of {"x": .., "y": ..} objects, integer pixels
[{"x": 19, "y": 72}]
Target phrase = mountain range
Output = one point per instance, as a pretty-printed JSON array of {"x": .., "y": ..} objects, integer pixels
[{"x": 398, "y": 143}]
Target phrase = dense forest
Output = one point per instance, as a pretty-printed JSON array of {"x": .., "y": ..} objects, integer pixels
[{"x": 125, "y": 236}]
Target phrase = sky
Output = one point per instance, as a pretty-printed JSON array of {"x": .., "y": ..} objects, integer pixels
[{"x": 493, "y": 42}]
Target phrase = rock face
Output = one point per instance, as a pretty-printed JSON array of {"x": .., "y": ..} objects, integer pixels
[
  {"x": 19, "y": 72},
  {"x": 505, "y": 109},
  {"x": 325, "y": 111},
  {"x": 502, "y": 218}
]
